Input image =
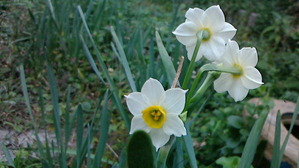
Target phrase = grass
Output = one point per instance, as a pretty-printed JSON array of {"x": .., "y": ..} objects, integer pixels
[{"x": 73, "y": 51}]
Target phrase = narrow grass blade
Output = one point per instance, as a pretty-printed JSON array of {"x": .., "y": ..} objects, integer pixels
[
  {"x": 49, "y": 160},
  {"x": 26, "y": 97},
  {"x": 73, "y": 152},
  {"x": 152, "y": 71},
  {"x": 48, "y": 152},
  {"x": 123, "y": 60},
  {"x": 105, "y": 122},
  {"x": 123, "y": 158},
  {"x": 294, "y": 118},
  {"x": 94, "y": 118},
  {"x": 202, "y": 105},
  {"x": 99, "y": 15},
  {"x": 168, "y": 65},
  {"x": 7, "y": 155},
  {"x": 189, "y": 146},
  {"x": 89, "y": 140},
  {"x": 67, "y": 126},
  {"x": 252, "y": 141},
  {"x": 80, "y": 123},
  {"x": 179, "y": 160},
  {"x": 163, "y": 153},
  {"x": 89, "y": 8},
  {"x": 93, "y": 65},
  {"x": 276, "y": 151},
  {"x": 56, "y": 113},
  {"x": 81, "y": 153},
  {"x": 113, "y": 87},
  {"x": 50, "y": 6}
]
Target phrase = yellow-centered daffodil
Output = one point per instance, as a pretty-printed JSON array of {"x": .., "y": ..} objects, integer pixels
[{"x": 156, "y": 111}]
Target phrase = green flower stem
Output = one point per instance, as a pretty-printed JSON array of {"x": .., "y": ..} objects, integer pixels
[
  {"x": 211, "y": 67},
  {"x": 163, "y": 153},
  {"x": 208, "y": 81},
  {"x": 200, "y": 36},
  {"x": 196, "y": 81},
  {"x": 203, "y": 88}
]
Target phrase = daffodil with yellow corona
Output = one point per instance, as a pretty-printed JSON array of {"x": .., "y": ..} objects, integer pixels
[
  {"x": 156, "y": 111},
  {"x": 216, "y": 32},
  {"x": 249, "y": 77}
]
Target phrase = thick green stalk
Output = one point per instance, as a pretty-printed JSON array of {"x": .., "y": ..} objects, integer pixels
[
  {"x": 203, "y": 88},
  {"x": 192, "y": 62},
  {"x": 195, "y": 82},
  {"x": 210, "y": 67},
  {"x": 163, "y": 153}
]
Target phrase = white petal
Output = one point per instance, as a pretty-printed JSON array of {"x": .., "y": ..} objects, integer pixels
[
  {"x": 159, "y": 138},
  {"x": 227, "y": 32},
  {"x": 174, "y": 126},
  {"x": 217, "y": 48},
  {"x": 223, "y": 83},
  {"x": 190, "y": 51},
  {"x": 252, "y": 78},
  {"x": 231, "y": 53},
  {"x": 174, "y": 101},
  {"x": 206, "y": 50},
  {"x": 186, "y": 29},
  {"x": 153, "y": 91},
  {"x": 213, "y": 18},
  {"x": 237, "y": 91},
  {"x": 194, "y": 15},
  {"x": 187, "y": 40},
  {"x": 139, "y": 124},
  {"x": 227, "y": 59},
  {"x": 233, "y": 46},
  {"x": 136, "y": 103},
  {"x": 248, "y": 56}
]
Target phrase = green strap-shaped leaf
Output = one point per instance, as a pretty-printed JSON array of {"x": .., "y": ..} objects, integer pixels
[
  {"x": 252, "y": 141},
  {"x": 168, "y": 65},
  {"x": 56, "y": 112},
  {"x": 163, "y": 153},
  {"x": 294, "y": 118},
  {"x": 140, "y": 151},
  {"x": 27, "y": 101},
  {"x": 276, "y": 148},
  {"x": 80, "y": 124},
  {"x": 112, "y": 85},
  {"x": 105, "y": 122},
  {"x": 123, "y": 60},
  {"x": 189, "y": 146}
]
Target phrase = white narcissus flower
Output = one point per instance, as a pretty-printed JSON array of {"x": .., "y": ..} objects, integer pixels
[
  {"x": 217, "y": 32},
  {"x": 245, "y": 60},
  {"x": 156, "y": 111}
]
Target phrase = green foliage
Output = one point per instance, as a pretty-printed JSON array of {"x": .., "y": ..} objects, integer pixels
[
  {"x": 276, "y": 150},
  {"x": 168, "y": 65},
  {"x": 24, "y": 158},
  {"x": 229, "y": 162},
  {"x": 252, "y": 141}
]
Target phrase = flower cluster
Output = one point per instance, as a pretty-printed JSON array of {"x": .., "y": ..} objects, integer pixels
[
  {"x": 217, "y": 46},
  {"x": 204, "y": 33}
]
